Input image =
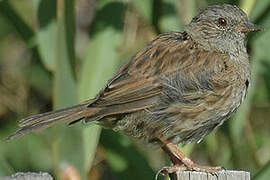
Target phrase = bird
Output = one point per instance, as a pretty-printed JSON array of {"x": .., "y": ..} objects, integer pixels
[{"x": 177, "y": 89}]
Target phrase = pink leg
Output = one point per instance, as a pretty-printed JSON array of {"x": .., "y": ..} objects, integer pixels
[{"x": 181, "y": 162}]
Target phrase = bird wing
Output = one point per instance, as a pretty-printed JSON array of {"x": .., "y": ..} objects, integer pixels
[{"x": 137, "y": 85}]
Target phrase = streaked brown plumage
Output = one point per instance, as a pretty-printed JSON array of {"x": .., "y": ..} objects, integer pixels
[{"x": 175, "y": 90}]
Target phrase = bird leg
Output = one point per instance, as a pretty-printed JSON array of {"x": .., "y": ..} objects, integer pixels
[{"x": 181, "y": 162}]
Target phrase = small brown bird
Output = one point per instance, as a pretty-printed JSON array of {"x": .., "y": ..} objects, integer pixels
[{"x": 177, "y": 89}]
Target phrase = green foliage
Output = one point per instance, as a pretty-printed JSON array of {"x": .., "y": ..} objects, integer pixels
[
  {"x": 67, "y": 54},
  {"x": 145, "y": 8},
  {"x": 264, "y": 173},
  {"x": 96, "y": 69},
  {"x": 46, "y": 14}
]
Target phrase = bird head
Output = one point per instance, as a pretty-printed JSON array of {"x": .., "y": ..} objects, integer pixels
[{"x": 221, "y": 27}]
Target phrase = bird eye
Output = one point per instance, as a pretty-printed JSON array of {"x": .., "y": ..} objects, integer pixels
[{"x": 222, "y": 22}]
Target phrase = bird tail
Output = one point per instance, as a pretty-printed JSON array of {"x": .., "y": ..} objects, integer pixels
[{"x": 45, "y": 120}]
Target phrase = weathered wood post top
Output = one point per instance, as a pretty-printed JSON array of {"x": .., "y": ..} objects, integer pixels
[{"x": 220, "y": 175}]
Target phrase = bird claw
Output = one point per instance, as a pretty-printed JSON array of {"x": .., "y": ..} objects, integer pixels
[
  {"x": 160, "y": 172},
  {"x": 194, "y": 167},
  {"x": 214, "y": 173},
  {"x": 168, "y": 170}
]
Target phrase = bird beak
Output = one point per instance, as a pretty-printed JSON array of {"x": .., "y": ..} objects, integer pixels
[{"x": 249, "y": 27}]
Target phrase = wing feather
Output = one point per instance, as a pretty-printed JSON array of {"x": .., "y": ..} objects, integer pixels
[
  {"x": 142, "y": 81},
  {"x": 136, "y": 86}
]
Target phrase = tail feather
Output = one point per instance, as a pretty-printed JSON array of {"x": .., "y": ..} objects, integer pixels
[
  {"x": 45, "y": 120},
  {"x": 53, "y": 115}
]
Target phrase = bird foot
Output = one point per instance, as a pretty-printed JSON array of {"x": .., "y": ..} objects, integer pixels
[
  {"x": 172, "y": 169},
  {"x": 181, "y": 162},
  {"x": 187, "y": 167},
  {"x": 190, "y": 165}
]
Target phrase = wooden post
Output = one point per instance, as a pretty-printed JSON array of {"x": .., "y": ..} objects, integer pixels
[
  {"x": 180, "y": 175},
  {"x": 220, "y": 175},
  {"x": 29, "y": 176}
]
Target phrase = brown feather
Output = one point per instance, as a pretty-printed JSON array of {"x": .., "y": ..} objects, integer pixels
[{"x": 170, "y": 73}]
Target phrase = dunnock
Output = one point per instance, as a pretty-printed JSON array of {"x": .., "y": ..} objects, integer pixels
[{"x": 177, "y": 89}]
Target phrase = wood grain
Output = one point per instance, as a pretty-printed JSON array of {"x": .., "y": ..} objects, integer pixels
[{"x": 220, "y": 175}]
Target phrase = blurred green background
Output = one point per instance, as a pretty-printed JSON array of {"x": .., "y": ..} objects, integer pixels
[{"x": 55, "y": 54}]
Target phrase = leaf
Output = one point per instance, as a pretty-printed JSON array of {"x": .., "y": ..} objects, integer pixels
[
  {"x": 42, "y": 82},
  {"x": 124, "y": 158},
  {"x": 261, "y": 43},
  {"x": 259, "y": 8},
  {"x": 169, "y": 21},
  {"x": 97, "y": 68},
  {"x": 247, "y": 6},
  {"x": 100, "y": 64},
  {"x": 13, "y": 18},
  {"x": 264, "y": 173},
  {"x": 64, "y": 78},
  {"x": 66, "y": 140},
  {"x": 145, "y": 9},
  {"x": 47, "y": 31}
]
